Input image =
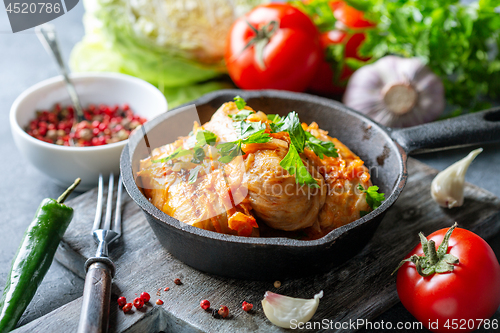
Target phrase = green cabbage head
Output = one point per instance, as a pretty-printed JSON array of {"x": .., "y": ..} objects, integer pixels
[{"x": 177, "y": 45}]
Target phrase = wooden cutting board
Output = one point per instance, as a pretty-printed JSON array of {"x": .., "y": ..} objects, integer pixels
[{"x": 362, "y": 288}]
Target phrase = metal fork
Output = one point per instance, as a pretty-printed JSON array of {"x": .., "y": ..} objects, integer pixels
[{"x": 94, "y": 316}]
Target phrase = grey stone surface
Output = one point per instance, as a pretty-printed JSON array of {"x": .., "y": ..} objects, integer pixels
[{"x": 24, "y": 62}]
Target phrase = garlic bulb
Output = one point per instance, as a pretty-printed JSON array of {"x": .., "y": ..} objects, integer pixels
[
  {"x": 447, "y": 188},
  {"x": 396, "y": 92},
  {"x": 285, "y": 311}
]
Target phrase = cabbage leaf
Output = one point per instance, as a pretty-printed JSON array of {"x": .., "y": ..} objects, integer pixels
[{"x": 175, "y": 45}]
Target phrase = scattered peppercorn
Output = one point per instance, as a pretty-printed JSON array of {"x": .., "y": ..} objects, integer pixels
[
  {"x": 159, "y": 302},
  {"x": 216, "y": 314},
  {"x": 246, "y": 306},
  {"x": 138, "y": 302},
  {"x": 177, "y": 281},
  {"x": 102, "y": 125},
  {"x": 166, "y": 289},
  {"x": 145, "y": 297},
  {"x": 277, "y": 284},
  {"x": 205, "y": 304},
  {"x": 121, "y": 301},
  {"x": 127, "y": 307},
  {"x": 223, "y": 311}
]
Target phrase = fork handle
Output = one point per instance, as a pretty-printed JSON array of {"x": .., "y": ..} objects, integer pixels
[{"x": 94, "y": 317}]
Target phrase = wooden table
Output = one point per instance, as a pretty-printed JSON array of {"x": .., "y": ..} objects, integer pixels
[{"x": 362, "y": 288}]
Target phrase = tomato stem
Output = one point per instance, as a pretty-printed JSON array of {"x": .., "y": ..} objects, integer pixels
[
  {"x": 261, "y": 39},
  {"x": 433, "y": 257},
  {"x": 433, "y": 261}
]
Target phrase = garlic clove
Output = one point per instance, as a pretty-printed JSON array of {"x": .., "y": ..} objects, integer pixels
[
  {"x": 283, "y": 310},
  {"x": 447, "y": 188}
]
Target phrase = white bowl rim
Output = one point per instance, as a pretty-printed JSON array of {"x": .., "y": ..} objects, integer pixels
[{"x": 56, "y": 80}]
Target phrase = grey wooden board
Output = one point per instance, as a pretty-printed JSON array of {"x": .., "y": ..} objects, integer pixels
[{"x": 362, "y": 288}]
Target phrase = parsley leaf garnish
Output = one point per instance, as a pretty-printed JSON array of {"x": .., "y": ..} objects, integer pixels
[
  {"x": 193, "y": 174},
  {"x": 204, "y": 137},
  {"x": 373, "y": 198},
  {"x": 299, "y": 138},
  {"x": 294, "y": 165},
  {"x": 246, "y": 129},
  {"x": 275, "y": 118},
  {"x": 240, "y": 102},
  {"x": 257, "y": 137},
  {"x": 230, "y": 150},
  {"x": 292, "y": 161},
  {"x": 179, "y": 152},
  {"x": 320, "y": 147},
  {"x": 198, "y": 155},
  {"x": 242, "y": 115},
  {"x": 291, "y": 124}
]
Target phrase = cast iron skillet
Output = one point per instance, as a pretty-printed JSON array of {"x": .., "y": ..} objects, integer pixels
[{"x": 384, "y": 151}]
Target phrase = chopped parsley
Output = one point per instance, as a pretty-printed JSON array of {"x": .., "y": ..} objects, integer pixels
[
  {"x": 179, "y": 152},
  {"x": 198, "y": 155},
  {"x": 230, "y": 150},
  {"x": 193, "y": 174},
  {"x": 291, "y": 124},
  {"x": 294, "y": 165},
  {"x": 275, "y": 118},
  {"x": 240, "y": 102},
  {"x": 257, "y": 137},
  {"x": 246, "y": 129},
  {"x": 242, "y": 115},
  {"x": 300, "y": 139},
  {"x": 373, "y": 198},
  {"x": 203, "y": 137},
  {"x": 319, "y": 147}
]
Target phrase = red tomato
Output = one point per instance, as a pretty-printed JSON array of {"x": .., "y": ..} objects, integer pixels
[
  {"x": 324, "y": 81},
  {"x": 291, "y": 53},
  {"x": 456, "y": 300},
  {"x": 350, "y": 16}
]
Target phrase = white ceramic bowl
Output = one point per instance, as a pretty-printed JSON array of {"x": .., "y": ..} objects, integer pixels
[{"x": 64, "y": 164}]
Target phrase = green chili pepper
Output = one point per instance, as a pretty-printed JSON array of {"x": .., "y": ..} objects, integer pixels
[{"x": 33, "y": 258}]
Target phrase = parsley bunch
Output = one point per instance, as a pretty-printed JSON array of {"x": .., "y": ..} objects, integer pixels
[
  {"x": 456, "y": 40},
  {"x": 459, "y": 41}
]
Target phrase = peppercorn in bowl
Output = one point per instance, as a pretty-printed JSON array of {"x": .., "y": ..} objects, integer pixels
[{"x": 114, "y": 106}]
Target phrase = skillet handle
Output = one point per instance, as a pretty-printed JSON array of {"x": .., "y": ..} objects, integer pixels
[{"x": 465, "y": 130}]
